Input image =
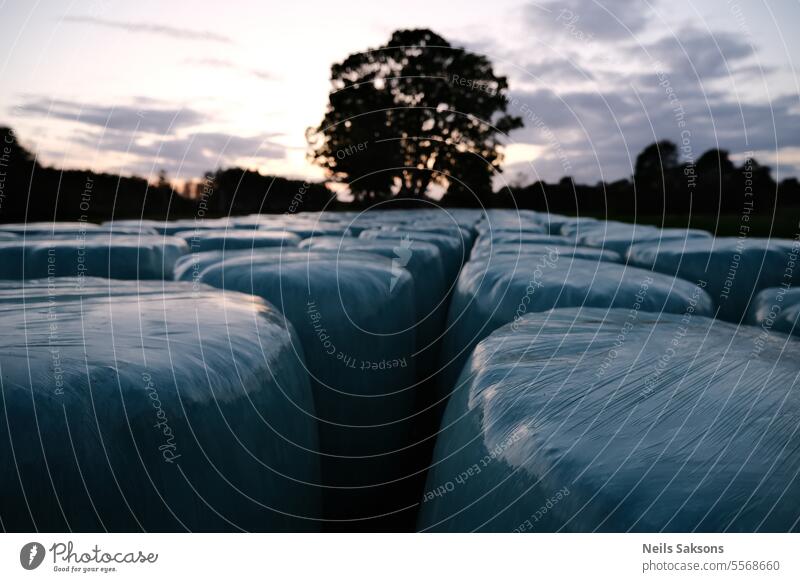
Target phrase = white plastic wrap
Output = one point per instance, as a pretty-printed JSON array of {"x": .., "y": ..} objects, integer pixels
[
  {"x": 525, "y": 251},
  {"x": 583, "y": 421},
  {"x": 154, "y": 406},
  {"x": 619, "y": 238},
  {"x": 424, "y": 262},
  {"x": 735, "y": 269},
  {"x": 112, "y": 256},
  {"x": 778, "y": 309},
  {"x": 483, "y": 242},
  {"x": 47, "y": 228},
  {"x": 454, "y": 250},
  {"x": 232, "y": 239},
  {"x": 494, "y": 292},
  {"x": 354, "y": 314}
]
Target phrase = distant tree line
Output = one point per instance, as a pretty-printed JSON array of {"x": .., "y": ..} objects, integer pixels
[
  {"x": 30, "y": 191},
  {"x": 661, "y": 185}
]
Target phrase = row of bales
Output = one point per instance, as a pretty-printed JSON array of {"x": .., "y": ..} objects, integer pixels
[{"x": 437, "y": 370}]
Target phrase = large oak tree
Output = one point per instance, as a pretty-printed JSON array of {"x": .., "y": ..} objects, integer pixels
[{"x": 410, "y": 114}]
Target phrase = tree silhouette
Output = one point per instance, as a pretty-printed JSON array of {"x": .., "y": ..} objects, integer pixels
[
  {"x": 654, "y": 175},
  {"x": 412, "y": 113},
  {"x": 655, "y": 161}
]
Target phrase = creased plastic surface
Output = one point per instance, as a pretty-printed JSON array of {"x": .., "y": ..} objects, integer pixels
[
  {"x": 491, "y": 293},
  {"x": 114, "y": 256},
  {"x": 424, "y": 262},
  {"x": 212, "y": 240},
  {"x": 619, "y": 238},
  {"x": 525, "y": 251},
  {"x": 561, "y": 426},
  {"x": 155, "y": 406},
  {"x": 776, "y": 309},
  {"x": 735, "y": 269},
  {"x": 354, "y": 314}
]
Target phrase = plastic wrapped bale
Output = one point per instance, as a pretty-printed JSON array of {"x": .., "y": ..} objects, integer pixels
[
  {"x": 525, "y": 250},
  {"x": 455, "y": 231},
  {"x": 47, "y": 228},
  {"x": 112, "y": 229},
  {"x": 212, "y": 240},
  {"x": 112, "y": 256},
  {"x": 313, "y": 231},
  {"x": 776, "y": 308},
  {"x": 484, "y": 243},
  {"x": 576, "y": 421},
  {"x": 190, "y": 266},
  {"x": 354, "y": 314},
  {"x": 492, "y": 293},
  {"x": 454, "y": 250},
  {"x": 152, "y": 406},
  {"x": 735, "y": 269},
  {"x": 170, "y": 227},
  {"x": 424, "y": 262},
  {"x": 511, "y": 224},
  {"x": 554, "y": 222},
  {"x": 579, "y": 225},
  {"x": 619, "y": 238}
]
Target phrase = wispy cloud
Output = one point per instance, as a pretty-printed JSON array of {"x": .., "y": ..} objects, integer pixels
[
  {"x": 150, "y": 134},
  {"x": 140, "y": 117},
  {"x": 150, "y": 28},
  {"x": 218, "y": 63}
]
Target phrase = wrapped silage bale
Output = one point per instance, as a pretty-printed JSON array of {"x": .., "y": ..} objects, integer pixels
[
  {"x": 524, "y": 250},
  {"x": 466, "y": 235},
  {"x": 576, "y": 421},
  {"x": 776, "y": 308},
  {"x": 554, "y": 222},
  {"x": 190, "y": 266},
  {"x": 511, "y": 222},
  {"x": 77, "y": 229},
  {"x": 454, "y": 250},
  {"x": 493, "y": 292},
  {"x": 173, "y": 226},
  {"x": 170, "y": 227},
  {"x": 233, "y": 239},
  {"x": 152, "y": 406},
  {"x": 307, "y": 231},
  {"x": 354, "y": 314},
  {"x": 619, "y": 238},
  {"x": 111, "y": 256},
  {"x": 487, "y": 240},
  {"x": 735, "y": 269},
  {"x": 424, "y": 262},
  {"x": 578, "y": 225},
  {"x": 302, "y": 227},
  {"x": 47, "y": 228}
]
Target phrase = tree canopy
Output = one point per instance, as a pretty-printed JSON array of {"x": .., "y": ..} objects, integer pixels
[{"x": 415, "y": 112}]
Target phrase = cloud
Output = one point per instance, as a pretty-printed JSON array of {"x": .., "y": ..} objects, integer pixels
[
  {"x": 637, "y": 91},
  {"x": 149, "y": 28},
  {"x": 144, "y": 118},
  {"x": 712, "y": 55},
  {"x": 593, "y": 135},
  {"x": 217, "y": 63},
  {"x": 588, "y": 21},
  {"x": 185, "y": 156},
  {"x": 149, "y": 136}
]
